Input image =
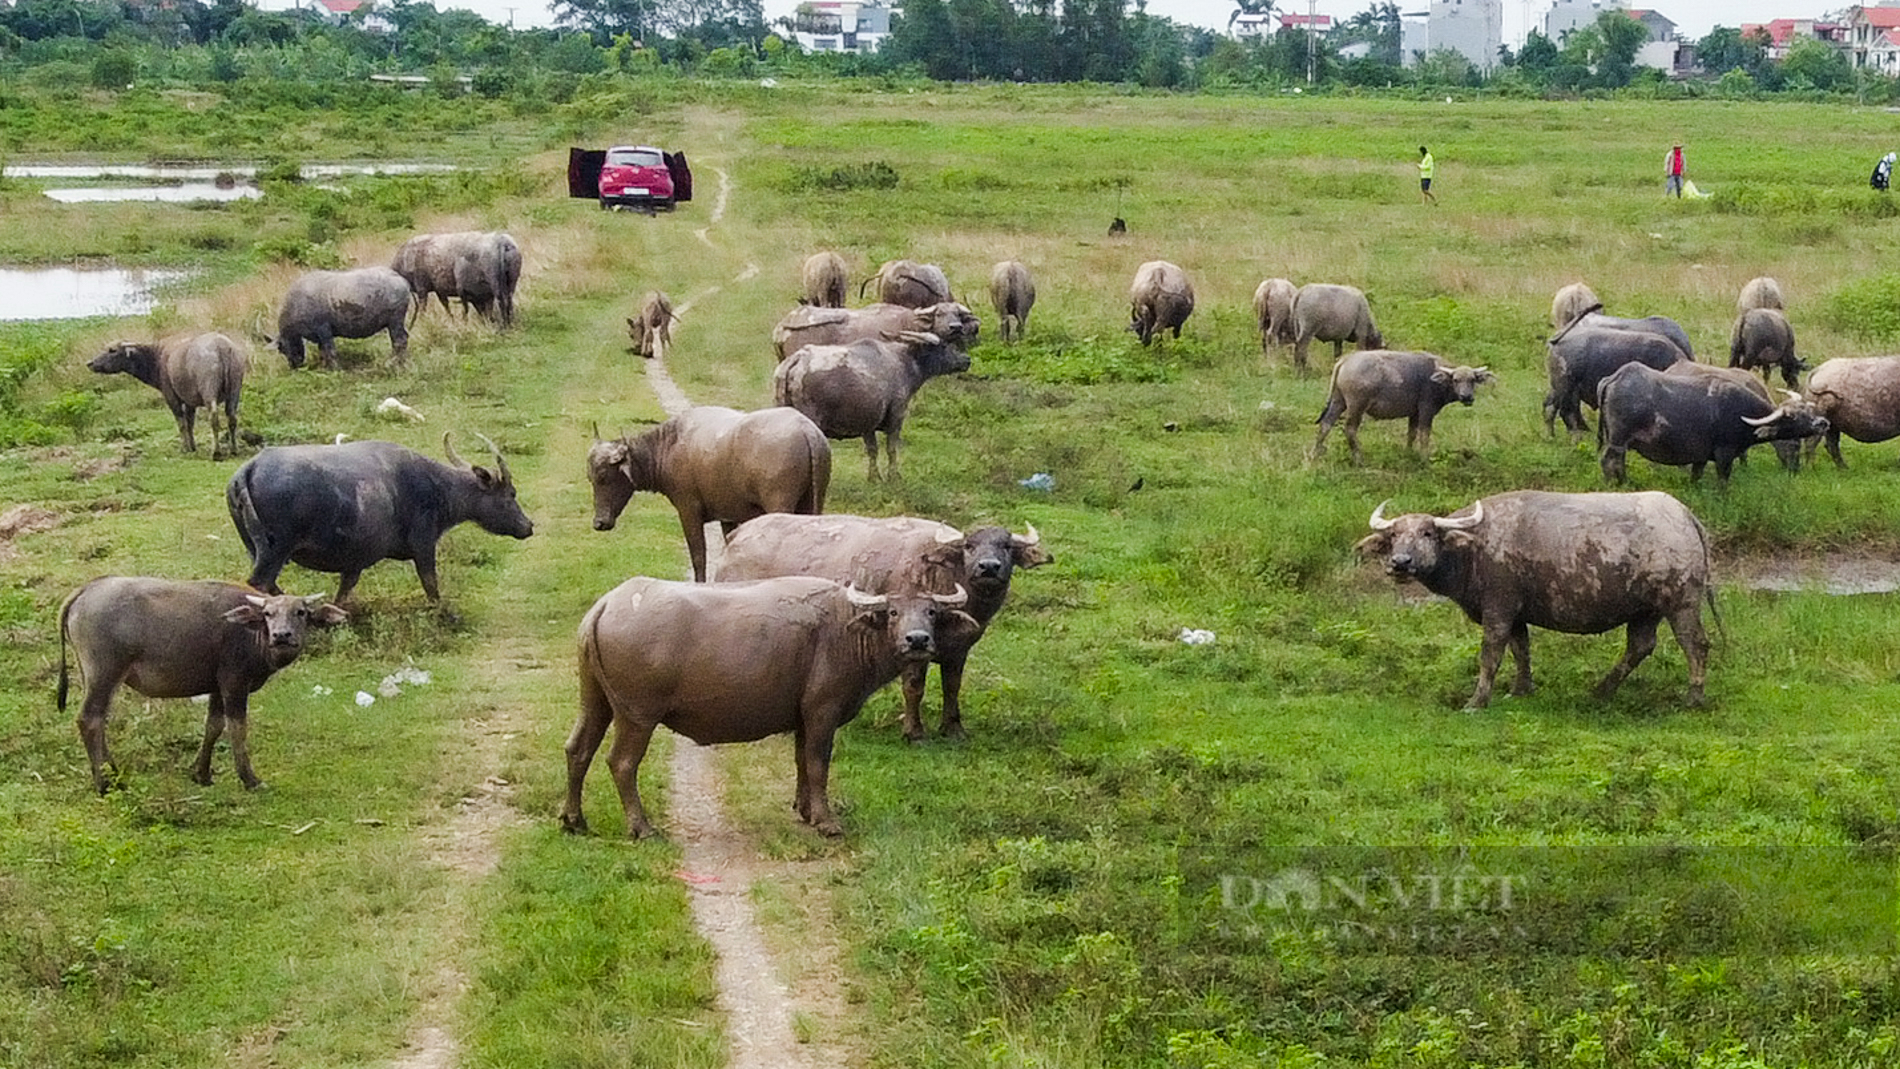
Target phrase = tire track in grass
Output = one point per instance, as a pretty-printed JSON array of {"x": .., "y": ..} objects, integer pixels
[{"x": 718, "y": 864}]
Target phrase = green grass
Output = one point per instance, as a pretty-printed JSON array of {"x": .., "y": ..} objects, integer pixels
[{"x": 1045, "y": 894}]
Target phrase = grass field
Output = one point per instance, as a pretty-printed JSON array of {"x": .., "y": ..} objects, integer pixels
[{"x": 1709, "y": 888}]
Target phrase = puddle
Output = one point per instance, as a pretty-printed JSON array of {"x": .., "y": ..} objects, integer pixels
[
  {"x": 1840, "y": 576},
  {"x": 207, "y": 172},
  {"x": 184, "y": 193},
  {"x": 70, "y": 293}
]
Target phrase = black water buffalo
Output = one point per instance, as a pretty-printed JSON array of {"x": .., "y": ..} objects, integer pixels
[
  {"x": 737, "y": 662},
  {"x": 1577, "y": 563},
  {"x": 322, "y": 306},
  {"x": 1763, "y": 340},
  {"x": 1672, "y": 418},
  {"x": 1580, "y": 357},
  {"x": 169, "y": 639},
  {"x": 1391, "y": 385},
  {"x": 342, "y": 508},
  {"x": 891, "y": 555}
]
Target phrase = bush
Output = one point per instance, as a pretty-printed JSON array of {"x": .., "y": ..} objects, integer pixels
[
  {"x": 874, "y": 175},
  {"x": 1866, "y": 308}
]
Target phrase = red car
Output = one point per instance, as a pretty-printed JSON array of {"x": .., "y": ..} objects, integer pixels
[{"x": 640, "y": 177}]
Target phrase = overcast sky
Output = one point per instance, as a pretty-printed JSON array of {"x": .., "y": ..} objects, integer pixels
[{"x": 1693, "y": 18}]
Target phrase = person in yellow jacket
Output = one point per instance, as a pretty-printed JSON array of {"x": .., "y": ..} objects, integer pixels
[{"x": 1425, "y": 168}]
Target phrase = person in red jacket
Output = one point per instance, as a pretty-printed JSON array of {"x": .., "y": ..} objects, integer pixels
[{"x": 1672, "y": 169}]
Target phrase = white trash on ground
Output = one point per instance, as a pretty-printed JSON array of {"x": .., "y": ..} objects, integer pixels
[
  {"x": 1042, "y": 480},
  {"x": 365, "y": 699},
  {"x": 1196, "y": 636},
  {"x": 394, "y": 409}
]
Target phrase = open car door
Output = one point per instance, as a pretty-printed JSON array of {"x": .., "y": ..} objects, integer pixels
[
  {"x": 583, "y": 171},
  {"x": 682, "y": 175}
]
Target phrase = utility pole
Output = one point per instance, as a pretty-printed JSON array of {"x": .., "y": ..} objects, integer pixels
[{"x": 1312, "y": 6}]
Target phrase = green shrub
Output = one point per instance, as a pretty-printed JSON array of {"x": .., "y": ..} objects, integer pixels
[
  {"x": 1866, "y": 308},
  {"x": 874, "y": 175}
]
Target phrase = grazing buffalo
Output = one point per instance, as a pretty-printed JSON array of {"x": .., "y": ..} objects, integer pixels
[
  {"x": 342, "y": 508},
  {"x": 1338, "y": 314},
  {"x": 652, "y": 333},
  {"x": 1761, "y": 292},
  {"x": 1390, "y": 385},
  {"x": 1677, "y": 418},
  {"x": 1571, "y": 302},
  {"x": 1579, "y": 359},
  {"x": 190, "y": 371},
  {"x": 908, "y": 283},
  {"x": 1577, "y": 563},
  {"x": 1161, "y": 298},
  {"x": 823, "y": 279},
  {"x": 1860, "y": 397},
  {"x": 1659, "y": 325},
  {"x": 1273, "y": 312},
  {"x": 857, "y": 390},
  {"x": 169, "y": 639},
  {"x": 808, "y": 325},
  {"x": 323, "y": 306},
  {"x": 894, "y": 555},
  {"x": 482, "y": 270},
  {"x": 1786, "y": 449},
  {"x": 1012, "y": 294},
  {"x": 736, "y": 662},
  {"x": 714, "y": 464},
  {"x": 1762, "y": 340}
]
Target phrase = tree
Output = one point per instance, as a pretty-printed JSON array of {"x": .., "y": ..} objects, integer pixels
[
  {"x": 1817, "y": 64},
  {"x": 602, "y": 19},
  {"x": 1249, "y": 7},
  {"x": 1725, "y": 49},
  {"x": 1379, "y": 25},
  {"x": 1538, "y": 53}
]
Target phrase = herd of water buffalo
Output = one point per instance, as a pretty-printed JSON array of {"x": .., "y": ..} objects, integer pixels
[{"x": 813, "y": 612}]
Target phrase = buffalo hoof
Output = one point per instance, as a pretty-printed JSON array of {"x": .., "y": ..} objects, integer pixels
[
  {"x": 1696, "y": 698},
  {"x": 954, "y": 732},
  {"x": 574, "y": 824},
  {"x": 830, "y": 829}
]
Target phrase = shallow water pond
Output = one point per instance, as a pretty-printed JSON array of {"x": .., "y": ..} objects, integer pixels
[
  {"x": 182, "y": 193},
  {"x": 76, "y": 293}
]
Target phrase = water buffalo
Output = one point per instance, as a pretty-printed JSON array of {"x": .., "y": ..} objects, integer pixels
[
  {"x": 482, "y": 270},
  {"x": 1762, "y": 339},
  {"x": 809, "y": 325},
  {"x": 1571, "y": 302},
  {"x": 714, "y": 464},
  {"x": 857, "y": 390},
  {"x": 1786, "y": 449},
  {"x": 652, "y": 332},
  {"x": 1860, "y": 397},
  {"x": 1012, "y": 294},
  {"x": 1761, "y": 292},
  {"x": 1161, "y": 298},
  {"x": 1392, "y": 385},
  {"x": 190, "y": 371},
  {"x": 908, "y": 283},
  {"x": 1577, "y": 563},
  {"x": 1273, "y": 312},
  {"x": 823, "y": 278},
  {"x": 1676, "y": 418},
  {"x": 341, "y": 508},
  {"x": 169, "y": 639},
  {"x": 1337, "y": 314},
  {"x": 736, "y": 662},
  {"x": 323, "y": 306},
  {"x": 1658, "y": 325},
  {"x": 899, "y": 554},
  {"x": 1581, "y": 356}
]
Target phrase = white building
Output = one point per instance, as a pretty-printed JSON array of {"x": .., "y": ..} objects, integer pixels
[
  {"x": 1567, "y": 15},
  {"x": 841, "y": 25},
  {"x": 1472, "y": 28}
]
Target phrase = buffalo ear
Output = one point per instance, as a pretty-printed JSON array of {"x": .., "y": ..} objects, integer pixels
[
  {"x": 1441, "y": 376},
  {"x": 957, "y": 626},
  {"x": 945, "y": 554},
  {"x": 323, "y": 613},
  {"x": 1458, "y": 537},
  {"x": 246, "y": 614},
  {"x": 484, "y": 478},
  {"x": 1030, "y": 555},
  {"x": 874, "y": 619},
  {"x": 1373, "y": 545}
]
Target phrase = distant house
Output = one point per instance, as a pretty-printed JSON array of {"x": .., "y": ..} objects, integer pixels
[
  {"x": 840, "y": 25},
  {"x": 1567, "y": 15},
  {"x": 1870, "y": 38},
  {"x": 1472, "y": 28},
  {"x": 1252, "y": 27},
  {"x": 1781, "y": 33},
  {"x": 1661, "y": 51},
  {"x": 1318, "y": 23}
]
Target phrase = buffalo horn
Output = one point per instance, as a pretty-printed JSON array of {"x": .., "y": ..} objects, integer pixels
[
  {"x": 257, "y": 599},
  {"x": 500, "y": 464},
  {"x": 449, "y": 450},
  {"x": 948, "y": 539},
  {"x": 1762, "y": 421},
  {"x": 1378, "y": 521},
  {"x": 1032, "y": 538},
  {"x": 597, "y": 437},
  {"x": 1446, "y": 523},
  {"x": 1792, "y": 395},
  {"x": 919, "y": 337},
  {"x": 865, "y": 601},
  {"x": 954, "y": 599}
]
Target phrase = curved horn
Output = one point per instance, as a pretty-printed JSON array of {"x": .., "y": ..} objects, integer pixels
[
  {"x": 454, "y": 457},
  {"x": 1032, "y": 538},
  {"x": 1762, "y": 421},
  {"x": 1378, "y": 522},
  {"x": 597, "y": 437},
  {"x": 1792, "y": 395},
  {"x": 953, "y": 600},
  {"x": 862, "y": 600},
  {"x": 1473, "y": 520},
  {"x": 919, "y": 337},
  {"x": 500, "y": 464}
]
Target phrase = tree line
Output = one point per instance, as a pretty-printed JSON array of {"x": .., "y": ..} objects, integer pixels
[{"x": 113, "y": 43}]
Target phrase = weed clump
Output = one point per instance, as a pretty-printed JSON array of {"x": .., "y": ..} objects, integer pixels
[
  {"x": 876, "y": 174},
  {"x": 1866, "y": 308}
]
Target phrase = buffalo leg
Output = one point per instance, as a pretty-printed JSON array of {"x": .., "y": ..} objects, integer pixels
[
  {"x": 694, "y": 527},
  {"x": 214, "y": 727},
  {"x": 589, "y": 728},
  {"x": 870, "y": 452},
  {"x": 1300, "y": 346},
  {"x": 1335, "y": 407},
  {"x": 237, "y": 719},
  {"x": 425, "y": 571},
  {"x": 1687, "y": 625},
  {"x": 1834, "y": 447},
  {"x": 326, "y": 348},
  {"x": 1521, "y": 654},
  {"x": 398, "y": 342},
  {"x": 801, "y": 793},
  {"x": 1420, "y": 429},
  {"x": 92, "y": 730},
  {"x": 347, "y": 583},
  {"x": 892, "y": 439},
  {"x": 1351, "y": 430},
  {"x": 1641, "y": 642},
  {"x": 814, "y": 754},
  {"x": 915, "y": 676},
  {"x": 951, "y": 668},
  {"x": 187, "y": 441},
  {"x": 1490, "y": 655},
  {"x": 623, "y": 760}
]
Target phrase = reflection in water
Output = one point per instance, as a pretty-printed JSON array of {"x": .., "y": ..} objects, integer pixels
[
  {"x": 180, "y": 194},
  {"x": 68, "y": 293},
  {"x": 185, "y": 173},
  {"x": 1828, "y": 574}
]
